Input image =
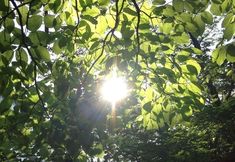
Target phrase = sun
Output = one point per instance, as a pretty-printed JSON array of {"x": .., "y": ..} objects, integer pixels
[{"x": 114, "y": 88}]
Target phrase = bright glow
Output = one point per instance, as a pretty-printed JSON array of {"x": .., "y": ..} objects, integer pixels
[{"x": 114, "y": 89}]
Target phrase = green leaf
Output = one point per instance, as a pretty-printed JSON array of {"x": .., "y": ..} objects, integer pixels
[
  {"x": 227, "y": 20},
  {"x": 89, "y": 2},
  {"x": 176, "y": 118},
  {"x": 94, "y": 45},
  {"x": 194, "y": 88},
  {"x": 57, "y": 22},
  {"x": 229, "y": 31},
  {"x": 102, "y": 25},
  {"x": 226, "y": 5},
  {"x": 34, "y": 38},
  {"x": 103, "y": 2},
  {"x": 43, "y": 53},
  {"x": 34, "y": 22},
  {"x": 169, "y": 11},
  {"x": 191, "y": 27},
  {"x": 44, "y": 38},
  {"x": 186, "y": 112},
  {"x": 90, "y": 19},
  {"x": 196, "y": 51},
  {"x": 82, "y": 3},
  {"x": 5, "y": 105},
  {"x": 230, "y": 50},
  {"x": 159, "y": 2},
  {"x": 70, "y": 21},
  {"x": 178, "y": 5},
  {"x": 192, "y": 69},
  {"x": 185, "y": 17},
  {"x": 22, "y": 56},
  {"x": 9, "y": 25},
  {"x": 56, "y": 5},
  {"x": 166, "y": 28},
  {"x": 192, "y": 65},
  {"x": 181, "y": 38},
  {"x": 207, "y": 17},
  {"x": 219, "y": 55},
  {"x": 157, "y": 108},
  {"x": 34, "y": 98},
  {"x": 169, "y": 73},
  {"x": 4, "y": 5},
  {"x": 201, "y": 25},
  {"x": 49, "y": 21},
  {"x": 144, "y": 26},
  {"x": 215, "y": 9},
  {"x": 189, "y": 6},
  {"x": 62, "y": 42},
  {"x": 6, "y": 57},
  {"x": 93, "y": 12},
  {"x": 217, "y": 1},
  {"x": 129, "y": 11},
  {"x": 56, "y": 48},
  {"x": 215, "y": 54}
]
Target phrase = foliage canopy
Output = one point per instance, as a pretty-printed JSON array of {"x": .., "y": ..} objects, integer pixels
[{"x": 178, "y": 57}]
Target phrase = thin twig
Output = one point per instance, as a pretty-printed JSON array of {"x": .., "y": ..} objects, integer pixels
[
  {"x": 137, "y": 28},
  {"x": 106, "y": 37},
  {"x": 118, "y": 12},
  {"x": 10, "y": 12},
  {"x": 30, "y": 54}
]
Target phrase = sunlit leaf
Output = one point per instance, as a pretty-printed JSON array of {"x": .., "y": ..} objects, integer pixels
[
  {"x": 103, "y": 2},
  {"x": 221, "y": 52},
  {"x": 34, "y": 98}
]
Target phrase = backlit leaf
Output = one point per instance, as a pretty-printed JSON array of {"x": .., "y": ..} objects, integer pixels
[
  {"x": 221, "y": 55},
  {"x": 103, "y": 2}
]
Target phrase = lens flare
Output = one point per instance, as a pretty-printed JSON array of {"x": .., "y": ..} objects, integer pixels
[{"x": 114, "y": 89}]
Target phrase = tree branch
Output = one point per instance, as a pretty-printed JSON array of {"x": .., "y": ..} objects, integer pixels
[
  {"x": 10, "y": 12},
  {"x": 195, "y": 42},
  {"x": 137, "y": 28},
  {"x": 212, "y": 89},
  {"x": 106, "y": 37},
  {"x": 30, "y": 54}
]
